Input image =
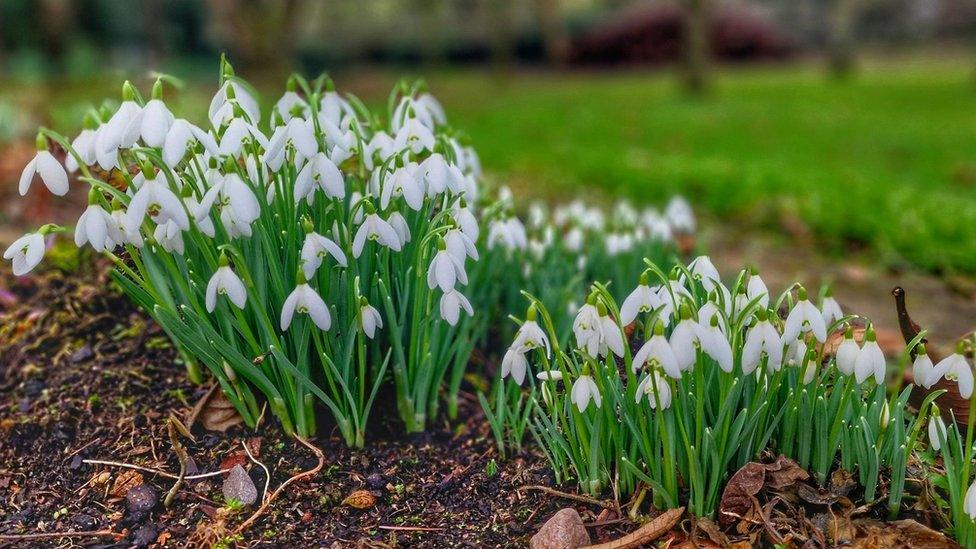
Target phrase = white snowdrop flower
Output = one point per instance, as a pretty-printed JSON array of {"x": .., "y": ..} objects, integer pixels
[
  {"x": 415, "y": 136},
  {"x": 870, "y": 360},
  {"x": 956, "y": 368},
  {"x": 402, "y": 183},
  {"x": 314, "y": 250},
  {"x": 445, "y": 270},
  {"x": 433, "y": 107},
  {"x": 805, "y": 317},
  {"x": 642, "y": 300},
  {"x": 830, "y": 309},
  {"x": 610, "y": 337},
  {"x": 715, "y": 344},
  {"x": 169, "y": 236},
  {"x": 573, "y": 239},
  {"x": 341, "y": 143},
  {"x": 370, "y": 318},
  {"x": 969, "y": 503},
  {"x": 757, "y": 288},
  {"x": 234, "y": 192},
  {"x": 200, "y": 210},
  {"x": 650, "y": 385},
  {"x": 178, "y": 139},
  {"x": 113, "y": 134},
  {"x": 466, "y": 220},
  {"x": 806, "y": 359},
  {"x": 549, "y": 375},
  {"x": 93, "y": 228},
  {"x": 459, "y": 245},
  {"x": 762, "y": 339},
  {"x": 586, "y": 323},
  {"x": 304, "y": 300},
  {"x": 937, "y": 430},
  {"x": 702, "y": 267},
  {"x": 657, "y": 226},
  {"x": 238, "y": 134},
  {"x": 84, "y": 146},
  {"x": 680, "y": 216},
  {"x": 291, "y": 105},
  {"x": 509, "y": 233},
  {"x": 619, "y": 243},
  {"x": 710, "y": 309},
  {"x": 299, "y": 134},
  {"x": 52, "y": 173},
  {"x": 225, "y": 282},
  {"x": 152, "y": 123},
  {"x": 584, "y": 390},
  {"x": 685, "y": 341},
  {"x": 119, "y": 235},
  {"x": 656, "y": 351},
  {"x": 319, "y": 172},
  {"x": 376, "y": 229},
  {"x": 218, "y": 114},
  {"x": 433, "y": 171},
  {"x": 156, "y": 198},
  {"x": 234, "y": 223},
  {"x": 452, "y": 302},
  {"x": 530, "y": 335},
  {"x": 380, "y": 146},
  {"x": 922, "y": 369},
  {"x": 334, "y": 108},
  {"x": 515, "y": 364},
  {"x": 847, "y": 352},
  {"x": 26, "y": 252},
  {"x": 399, "y": 224}
]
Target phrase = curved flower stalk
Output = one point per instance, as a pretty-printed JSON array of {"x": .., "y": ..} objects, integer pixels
[
  {"x": 285, "y": 251},
  {"x": 704, "y": 384}
]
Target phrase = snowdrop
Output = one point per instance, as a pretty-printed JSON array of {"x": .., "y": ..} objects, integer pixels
[
  {"x": 399, "y": 224},
  {"x": 870, "y": 360},
  {"x": 685, "y": 340},
  {"x": 762, "y": 339},
  {"x": 515, "y": 364},
  {"x": 445, "y": 270},
  {"x": 847, "y": 353},
  {"x": 369, "y": 318},
  {"x": 319, "y": 173},
  {"x": 956, "y": 368},
  {"x": 402, "y": 183},
  {"x": 170, "y": 237},
  {"x": 757, "y": 288},
  {"x": 937, "y": 429},
  {"x": 642, "y": 300},
  {"x": 702, "y": 267},
  {"x": 922, "y": 369},
  {"x": 26, "y": 252},
  {"x": 94, "y": 228},
  {"x": 415, "y": 136},
  {"x": 969, "y": 506},
  {"x": 715, "y": 344},
  {"x": 654, "y": 388},
  {"x": 830, "y": 309},
  {"x": 657, "y": 352},
  {"x": 375, "y": 228},
  {"x": 530, "y": 335},
  {"x": 304, "y": 300},
  {"x": 584, "y": 390},
  {"x": 314, "y": 250},
  {"x": 180, "y": 136},
  {"x": 225, "y": 282},
  {"x": 451, "y": 305},
  {"x": 52, "y": 174},
  {"x": 803, "y": 318},
  {"x": 152, "y": 197},
  {"x": 152, "y": 123}
]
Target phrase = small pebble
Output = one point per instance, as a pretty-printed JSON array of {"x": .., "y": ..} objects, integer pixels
[
  {"x": 375, "y": 481},
  {"x": 141, "y": 499},
  {"x": 145, "y": 535}
]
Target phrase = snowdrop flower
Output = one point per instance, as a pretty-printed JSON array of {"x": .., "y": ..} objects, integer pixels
[
  {"x": 702, "y": 267},
  {"x": 169, "y": 236},
  {"x": 870, "y": 360},
  {"x": 402, "y": 183},
  {"x": 52, "y": 173},
  {"x": 304, "y": 300},
  {"x": 399, "y": 224},
  {"x": 954, "y": 368},
  {"x": 609, "y": 337},
  {"x": 885, "y": 415},
  {"x": 433, "y": 171},
  {"x": 155, "y": 196},
  {"x": 315, "y": 248},
  {"x": 922, "y": 369},
  {"x": 452, "y": 302},
  {"x": 549, "y": 375},
  {"x": 680, "y": 216},
  {"x": 459, "y": 245},
  {"x": 657, "y": 352},
  {"x": 655, "y": 388},
  {"x": 296, "y": 133},
  {"x": 319, "y": 172},
  {"x": 466, "y": 220},
  {"x": 229, "y": 94},
  {"x": 756, "y": 288},
  {"x": 381, "y": 146},
  {"x": 685, "y": 340},
  {"x": 376, "y": 229},
  {"x": 238, "y": 134},
  {"x": 118, "y": 234},
  {"x": 445, "y": 270},
  {"x": 225, "y": 282},
  {"x": 969, "y": 503},
  {"x": 178, "y": 139},
  {"x": 93, "y": 227},
  {"x": 584, "y": 390},
  {"x": 515, "y": 364},
  {"x": 333, "y": 107},
  {"x": 847, "y": 353},
  {"x": 642, "y": 300},
  {"x": 369, "y": 317},
  {"x": 83, "y": 145},
  {"x": 509, "y": 233},
  {"x": 114, "y": 134},
  {"x": 762, "y": 339},
  {"x": 937, "y": 429},
  {"x": 804, "y": 318},
  {"x": 714, "y": 344},
  {"x": 573, "y": 239},
  {"x": 830, "y": 309},
  {"x": 530, "y": 335},
  {"x": 415, "y": 136},
  {"x": 26, "y": 252},
  {"x": 587, "y": 321},
  {"x": 151, "y": 123},
  {"x": 291, "y": 105},
  {"x": 806, "y": 359}
]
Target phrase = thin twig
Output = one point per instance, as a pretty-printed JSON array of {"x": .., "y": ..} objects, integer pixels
[
  {"x": 657, "y": 527},
  {"x": 267, "y": 474},
  {"x": 264, "y": 506},
  {"x": 410, "y": 528},
  {"x": 153, "y": 471},
  {"x": 567, "y": 495},
  {"x": 56, "y": 535}
]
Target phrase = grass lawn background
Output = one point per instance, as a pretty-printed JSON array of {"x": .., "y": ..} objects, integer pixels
[{"x": 885, "y": 160}]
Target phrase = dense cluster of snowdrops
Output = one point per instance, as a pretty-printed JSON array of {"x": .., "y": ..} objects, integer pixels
[
  {"x": 667, "y": 391},
  {"x": 320, "y": 251}
]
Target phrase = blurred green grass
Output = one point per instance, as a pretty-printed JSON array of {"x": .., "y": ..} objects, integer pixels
[{"x": 885, "y": 161}]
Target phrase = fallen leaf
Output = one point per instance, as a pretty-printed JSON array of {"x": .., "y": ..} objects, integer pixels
[
  {"x": 234, "y": 459},
  {"x": 783, "y": 473},
  {"x": 218, "y": 414},
  {"x": 739, "y": 492},
  {"x": 125, "y": 481},
  {"x": 238, "y": 486},
  {"x": 360, "y": 499}
]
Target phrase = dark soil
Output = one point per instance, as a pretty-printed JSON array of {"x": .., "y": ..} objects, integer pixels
[{"x": 83, "y": 375}]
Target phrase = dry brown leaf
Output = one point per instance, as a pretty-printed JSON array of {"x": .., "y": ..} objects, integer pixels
[
  {"x": 360, "y": 499},
  {"x": 126, "y": 480},
  {"x": 737, "y": 497},
  {"x": 218, "y": 414}
]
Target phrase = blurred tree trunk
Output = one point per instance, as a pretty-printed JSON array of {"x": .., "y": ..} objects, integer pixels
[
  {"x": 260, "y": 35},
  {"x": 501, "y": 35},
  {"x": 841, "y": 50},
  {"x": 696, "y": 48},
  {"x": 553, "y": 30}
]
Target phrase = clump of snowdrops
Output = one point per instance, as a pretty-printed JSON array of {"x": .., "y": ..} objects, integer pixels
[
  {"x": 665, "y": 393},
  {"x": 305, "y": 254}
]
